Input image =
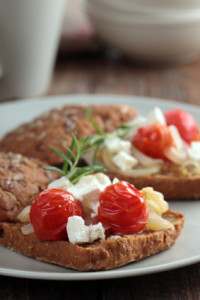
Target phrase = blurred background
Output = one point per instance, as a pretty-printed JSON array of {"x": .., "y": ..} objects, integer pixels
[
  {"x": 155, "y": 31},
  {"x": 145, "y": 48},
  {"x": 132, "y": 47}
]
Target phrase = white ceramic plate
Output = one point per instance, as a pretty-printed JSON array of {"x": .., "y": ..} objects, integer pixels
[{"x": 183, "y": 253}]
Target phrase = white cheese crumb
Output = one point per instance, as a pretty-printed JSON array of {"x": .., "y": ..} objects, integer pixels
[
  {"x": 96, "y": 231},
  {"x": 78, "y": 232},
  {"x": 88, "y": 190},
  {"x": 75, "y": 192},
  {"x": 103, "y": 179},
  {"x": 88, "y": 187},
  {"x": 61, "y": 183},
  {"x": 156, "y": 115},
  {"x": 94, "y": 208},
  {"x": 116, "y": 144},
  {"x": 124, "y": 161}
]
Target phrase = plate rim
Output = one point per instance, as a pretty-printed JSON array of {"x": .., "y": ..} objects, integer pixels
[{"x": 110, "y": 274}]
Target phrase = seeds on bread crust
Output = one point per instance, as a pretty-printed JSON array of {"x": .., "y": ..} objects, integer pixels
[
  {"x": 21, "y": 179},
  {"x": 55, "y": 128}
]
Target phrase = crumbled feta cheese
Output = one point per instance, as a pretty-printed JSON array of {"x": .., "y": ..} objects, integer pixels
[
  {"x": 96, "y": 231},
  {"x": 194, "y": 151},
  {"x": 94, "y": 208},
  {"x": 124, "y": 161},
  {"x": 156, "y": 115},
  {"x": 89, "y": 187},
  {"x": 88, "y": 190},
  {"x": 116, "y": 144},
  {"x": 75, "y": 192},
  {"x": 102, "y": 179},
  {"x": 61, "y": 183},
  {"x": 78, "y": 232}
]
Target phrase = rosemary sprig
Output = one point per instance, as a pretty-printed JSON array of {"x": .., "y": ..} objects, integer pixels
[
  {"x": 89, "y": 115},
  {"x": 97, "y": 140},
  {"x": 77, "y": 148},
  {"x": 70, "y": 167}
]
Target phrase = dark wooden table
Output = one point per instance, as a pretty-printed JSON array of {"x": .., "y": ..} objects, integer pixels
[{"x": 101, "y": 74}]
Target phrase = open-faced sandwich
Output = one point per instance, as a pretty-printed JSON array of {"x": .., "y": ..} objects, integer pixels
[
  {"x": 85, "y": 221},
  {"x": 54, "y": 128},
  {"x": 161, "y": 151}
]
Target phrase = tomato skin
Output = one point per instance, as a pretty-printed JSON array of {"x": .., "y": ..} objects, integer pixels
[
  {"x": 185, "y": 123},
  {"x": 122, "y": 208},
  {"x": 153, "y": 139},
  {"x": 50, "y": 212}
]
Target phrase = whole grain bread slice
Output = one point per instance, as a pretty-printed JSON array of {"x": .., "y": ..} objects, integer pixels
[
  {"x": 21, "y": 180},
  {"x": 54, "y": 128},
  {"x": 173, "y": 187},
  {"x": 100, "y": 255}
]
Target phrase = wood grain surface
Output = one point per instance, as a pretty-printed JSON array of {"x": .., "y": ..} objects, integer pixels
[{"x": 103, "y": 74}]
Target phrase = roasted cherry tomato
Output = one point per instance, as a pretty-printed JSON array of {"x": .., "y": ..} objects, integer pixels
[
  {"x": 153, "y": 139},
  {"x": 122, "y": 208},
  {"x": 50, "y": 212},
  {"x": 185, "y": 123}
]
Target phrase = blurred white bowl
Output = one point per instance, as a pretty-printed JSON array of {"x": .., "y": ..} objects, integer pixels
[
  {"x": 154, "y": 4},
  {"x": 137, "y": 13},
  {"x": 162, "y": 38},
  {"x": 132, "y": 6}
]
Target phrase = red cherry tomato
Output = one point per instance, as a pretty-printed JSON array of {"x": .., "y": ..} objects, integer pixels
[
  {"x": 50, "y": 212},
  {"x": 185, "y": 123},
  {"x": 153, "y": 140},
  {"x": 123, "y": 208}
]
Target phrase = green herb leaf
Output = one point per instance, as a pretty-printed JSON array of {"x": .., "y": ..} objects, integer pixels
[
  {"x": 62, "y": 155},
  {"x": 80, "y": 172},
  {"x": 89, "y": 115},
  {"x": 55, "y": 169},
  {"x": 121, "y": 131},
  {"x": 75, "y": 151}
]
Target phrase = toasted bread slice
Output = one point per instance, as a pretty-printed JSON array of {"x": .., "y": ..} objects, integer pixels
[
  {"x": 55, "y": 129},
  {"x": 21, "y": 179},
  {"x": 171, "y": 186},
  {"x": 100, "y": 255}
]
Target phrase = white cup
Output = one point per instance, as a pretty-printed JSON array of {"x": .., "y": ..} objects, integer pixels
[{"x": 29, "y": 38}]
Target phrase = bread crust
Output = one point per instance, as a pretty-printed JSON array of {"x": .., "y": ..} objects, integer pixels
[
  {"x": 100, "y": 255},
  {"x": 172, "y": 187},
  {"x": 55, "y": 128},
  {"x": 21, "y": 180}
]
